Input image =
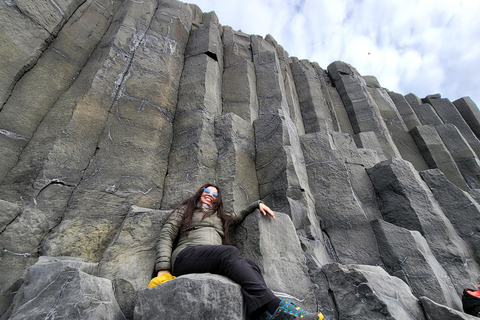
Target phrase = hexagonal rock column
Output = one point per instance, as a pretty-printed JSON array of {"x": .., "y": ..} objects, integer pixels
[
  {"x": 407, "y": 202},
  {"x": 192, "y": 296},
  {"x": 436, "y": 311},
  {"x": 437, "y": 155},
  {"x": 461, "y": 152},
  {"x": 407, "y": 255},
  {"x": 64, "y": 288},
  {"x": 450, "y": 114},
  {"x": 363, "y": 114},
  {"x": 470, "y": 113},
  {"x": 459, "y": 207},
  {"x": 336, "y": 203},
  {"x": 365, "y": 292}
]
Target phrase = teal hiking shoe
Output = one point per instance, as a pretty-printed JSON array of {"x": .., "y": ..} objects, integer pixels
[{"x": 289, "y": 311}]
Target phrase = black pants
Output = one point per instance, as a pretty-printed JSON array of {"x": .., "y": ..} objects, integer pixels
[{"x": 227, "y": 261}]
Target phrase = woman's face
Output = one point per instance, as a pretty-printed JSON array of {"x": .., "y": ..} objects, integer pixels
[{"x": 209, "y": 195}]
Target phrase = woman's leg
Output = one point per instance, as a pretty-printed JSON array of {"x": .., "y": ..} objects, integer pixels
[{"x": 227, "y": 261}]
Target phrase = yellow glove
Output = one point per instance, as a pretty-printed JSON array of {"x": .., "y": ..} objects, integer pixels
[{"x": 159, "y": 280}]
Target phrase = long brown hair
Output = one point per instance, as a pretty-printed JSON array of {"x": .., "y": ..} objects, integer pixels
[{"x": 190, "y": 204}]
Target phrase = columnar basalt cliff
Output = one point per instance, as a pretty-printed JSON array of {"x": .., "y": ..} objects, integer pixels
[{"x": 112, "y": 112}]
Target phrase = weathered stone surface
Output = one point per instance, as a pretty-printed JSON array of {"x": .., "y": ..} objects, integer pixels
[
  {"x": 325, "y": 299},
  {"x": 200, "y": 296},
  {"x": 470, "y": 113},
  {"x": 64, "y": 288},
  {"x": 129, "y": 261},
  {"x": 334, "y": 101},
  {"x": 397, "y": 127},
  {"x": 206, "y": 39},
  {"x": 363, "y": 115},
  {"x": 461, "y": 152},
  {"x": 270, "y": 87},
  {"x": 427, "y": 115},
  {"x": 289, "y": 85},
  {"x": 437, "y": 155},
  {"x": 407, "y": 252},
  {"x": 449, "y": 114},
  {"x": 21, "y": 44},
  {"x": 49, "y": 15},
  {"x": 277, "y": 144},
  {"x": 193, "y": 153},
  {"x": 281, "y": 172},
  {"x": 336, "y": 203},
  {"x": 369, "y": 140},
  {"x": 313, "y": 105},
  {"x": 436, "y": 311},
  {"x": 111, "y": 110},
  {"x": 413, "y": 100},
  {"x": 37, "y": 91},
  {"x": 407, "y": 202},
  {"x": 13, "y": 269},
  {"x": 114, "y": 175},
  {"x": 405, "y": 109},
  {"x": 459, "y": 207},
  {"x": 20, "y": 241},
  {"x": 356, "y": 161},
  {"x": 366, "y": 292},
  {"x": 236, "y": 161},
  {"x": 239, "y": 88},
  {"x": 8, "y": 212}
]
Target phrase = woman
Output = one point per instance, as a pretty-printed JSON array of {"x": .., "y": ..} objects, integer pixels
[{"x": 192, "y": 241}]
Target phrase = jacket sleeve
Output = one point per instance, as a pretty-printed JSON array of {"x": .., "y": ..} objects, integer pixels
[
  {"x": 239, "y": 217},
  {"x": 166, "y": 240}
]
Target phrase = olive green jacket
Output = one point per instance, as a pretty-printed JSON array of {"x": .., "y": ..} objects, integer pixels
[{"x": 204, "y": 230}]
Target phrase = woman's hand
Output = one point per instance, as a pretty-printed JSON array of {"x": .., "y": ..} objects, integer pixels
[
  {"x": 264, "y": 210},
  {"x": 162, "y": 277}
]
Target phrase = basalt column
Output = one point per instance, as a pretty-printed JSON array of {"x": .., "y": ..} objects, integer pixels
[
  {"x": 281, "y": 171},
  {"x": 363, "y": 114},
  {"x": 193, "y": 155},
  {"x": 119, "y": 171}
]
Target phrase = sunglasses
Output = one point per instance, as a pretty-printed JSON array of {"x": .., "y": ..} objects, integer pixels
[{"x": 214, "y": 194}]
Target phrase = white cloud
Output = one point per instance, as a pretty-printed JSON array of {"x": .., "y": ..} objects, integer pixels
[{"x": 418, "y": 46}]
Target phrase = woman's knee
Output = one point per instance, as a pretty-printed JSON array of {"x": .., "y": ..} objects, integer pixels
[
  {"x": 231, "y": 252},
  {"x": 253, "y": 264}
]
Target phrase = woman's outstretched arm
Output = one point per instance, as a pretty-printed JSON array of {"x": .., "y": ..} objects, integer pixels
[{"x": 264, "y": 209}]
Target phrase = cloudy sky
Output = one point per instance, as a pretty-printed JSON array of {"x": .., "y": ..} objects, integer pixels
[{"x": 418, "y": 46}]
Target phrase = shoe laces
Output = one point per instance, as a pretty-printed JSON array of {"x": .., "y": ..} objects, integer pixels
[{"x": 291, "y": 308}]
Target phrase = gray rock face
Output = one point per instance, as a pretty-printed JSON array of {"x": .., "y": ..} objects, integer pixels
[
  {"x": 396, "y": 181},
  {"x": 449, "y": 114},
  {"x": 112, "y": 112},
  {"x": 207, "y": 297},
  {"x": 365, "y": 292},
  {"x": 437, "y": 154},
  {"x": 407, "y": 255},
  {"x": 460, "y": 208},
  {"x": 344, "y": 220},
  {"x": 130, "y": 258},
  {"x": 470, "y": 113},
  {"x": 440, "y": 312},
  {"x": 63, "y": 288}
]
